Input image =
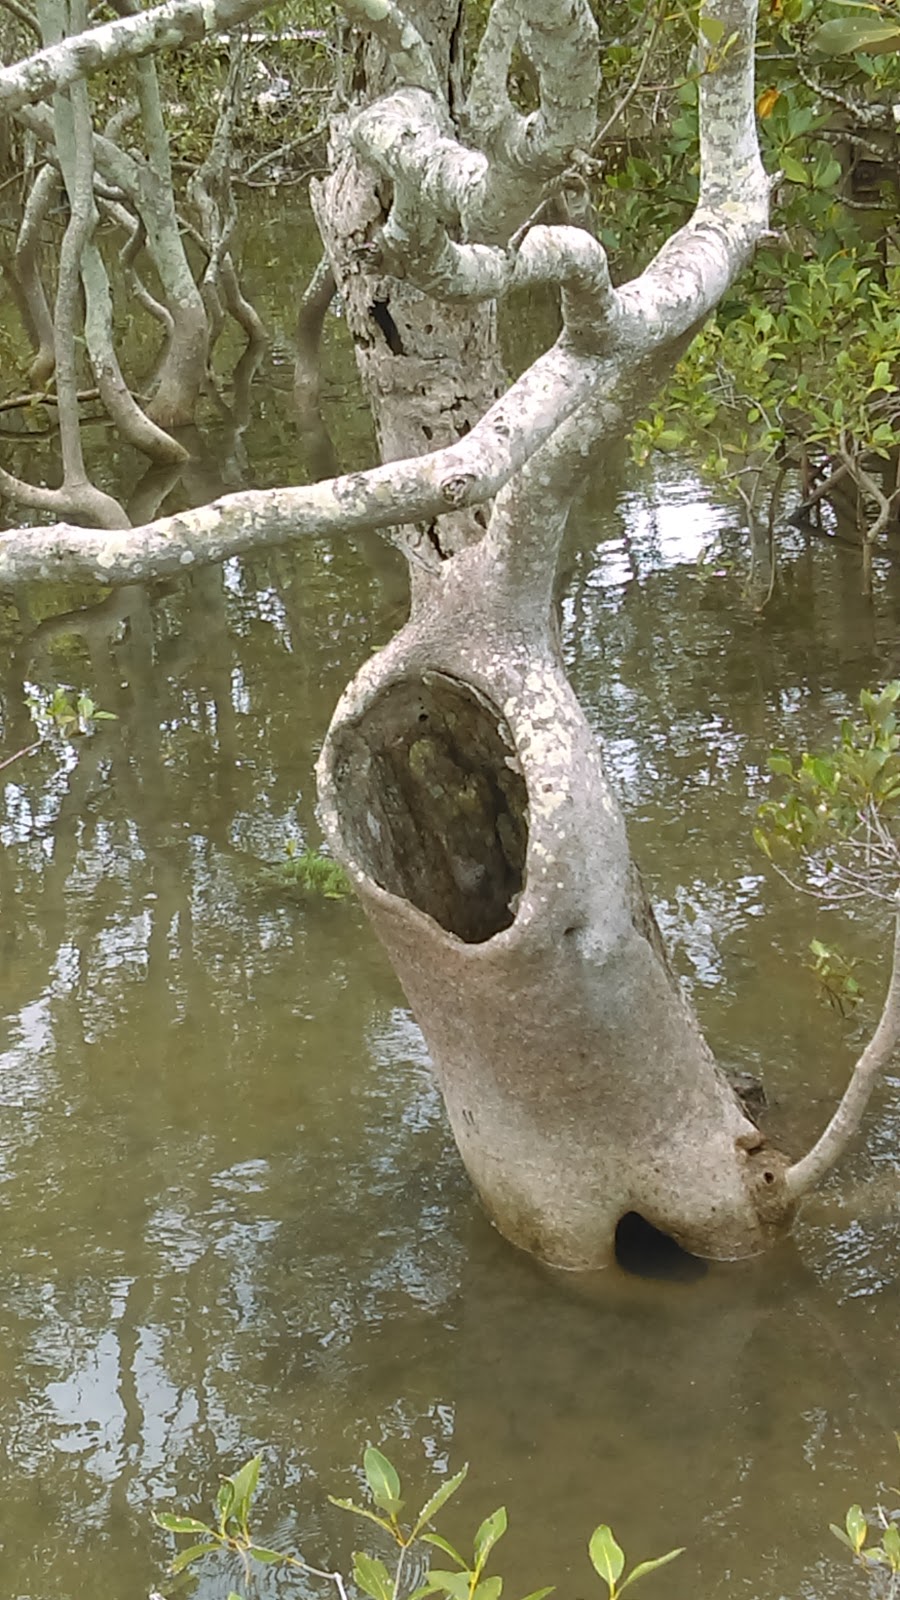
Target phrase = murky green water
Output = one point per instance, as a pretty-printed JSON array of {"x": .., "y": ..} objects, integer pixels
[{"x": 232, "y": 1215}]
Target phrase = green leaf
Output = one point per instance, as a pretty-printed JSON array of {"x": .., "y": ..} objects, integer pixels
[
  {"x": 267, "y": 1557},
  {"x": 456, "y": 1584},
  {"x": 362, "y": 1511},
  {"x": 438, "y": 1499},
  {"x": 780, "y": 764},
  {"x": 185, "y": 1558},
  {"x": 643, "y": 1567},
  {"x": 845, "y": 35},
  {"x": 488, "y": 1589},
  {"x": 607, "y": 1557},
  {"x": 244, "y": 1483},
  {"x": 225, "y": 1501},
  {"x": 793, "y": 169},
  {"x": 164, "y": 1519},
  {"x": 891, "y": 1544},
  {"x": 540, "y": 1594},
  {"x": 492, "y": 1529},
  {"x": 384, "y": 1484},
  {"x": 443, "y": 1544},
  {"x": 372, "y": 1576},
  {"x": 712, "y": 29},
  {"x": 857, "y": 1527}
]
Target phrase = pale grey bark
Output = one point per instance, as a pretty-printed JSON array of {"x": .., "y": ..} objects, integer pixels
[
  {"x": 147, "y": 185},
  {"x": 563, "y": 46},
  {"x": 460, "y": 783},
  {"x": 136, "y": 238},
  {"x": 210, "y": 191},
  {"x": 76, "y": 496},
  {"x": 845, "y": 1124},
  {"x": 314, "y": 303},
  {"x": 164, "y": 27},
  {"x": 407, "y": 51},
  {"x": 133, "y": 425},
  {"x": 182, "y": 369},
  {"x": 41, "y": 197},
  {"x": 422, "y": 489}
]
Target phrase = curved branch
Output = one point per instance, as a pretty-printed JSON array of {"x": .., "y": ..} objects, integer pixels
[
  {"x": 812, "y": 1167},
  {"x": 131, "y": 249},
  {"x": 41, "y": 198},
  {"x": 76, "y": 499},
  {"x": 562, "y": 43},
  {"x": 163, "y": 27},
  {"x": 24, "y": 16},
  {"x": 416, "y": 490},
  {"x": 488, "y": 106}
]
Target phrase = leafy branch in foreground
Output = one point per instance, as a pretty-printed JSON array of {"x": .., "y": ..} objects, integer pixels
[
  {"x": 883, "y": 1558},
  {"x": 231, "y": 1535}
]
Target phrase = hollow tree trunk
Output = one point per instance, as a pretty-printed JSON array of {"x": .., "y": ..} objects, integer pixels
[{"x": 464, "y": 789}]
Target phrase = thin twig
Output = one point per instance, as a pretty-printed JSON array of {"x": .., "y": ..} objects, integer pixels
[
  {"x": 18, "y": 402},
  {"x": 27, "y": 750},
  {"x": 632, "y": 90}
]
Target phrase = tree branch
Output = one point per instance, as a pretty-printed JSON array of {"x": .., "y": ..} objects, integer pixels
[
  {"x": 808, "y": 1171},
  {"x": 409, "y": 54},
  {"x": 23, "y": 14},
  {"x": 562, "y": 43},
  {"x": 416, "y": 490},
  {"x": 164, "y": 27}
]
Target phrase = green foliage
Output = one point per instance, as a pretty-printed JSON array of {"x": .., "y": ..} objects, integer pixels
[
  {"x": 230, "y": 1534},
  {"x": 835, "y": 973},
  {"x": 800, "y": 362},
  {"x": 315, "y": 875},
  {"x": 608, "y": 1559},
  {"x": 63, "y": 711},
  {"x": 807, "y": 359},
  {"x": 849, "y": 796},
  {"x": 884, "y": 1557},
  {"x": 868, "y": 28},
  {"x": 59, "y": 712}
]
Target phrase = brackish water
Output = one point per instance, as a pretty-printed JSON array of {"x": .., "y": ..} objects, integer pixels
[{"x": 232, "y": 1215}]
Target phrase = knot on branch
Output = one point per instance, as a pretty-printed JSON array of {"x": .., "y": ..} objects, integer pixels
[{"x": 454, "y": 490}]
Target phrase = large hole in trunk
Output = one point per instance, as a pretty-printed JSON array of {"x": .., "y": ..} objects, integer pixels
[
  {"x": 646, "y": 1252},
  {"x": 433, "y": 805}
]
